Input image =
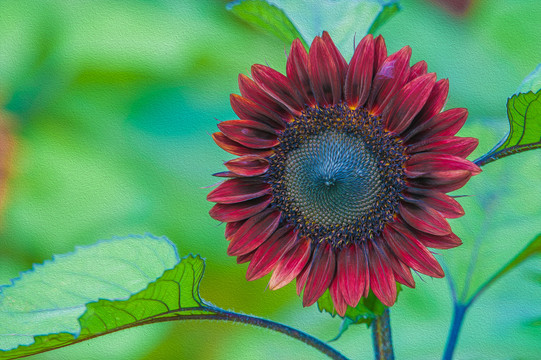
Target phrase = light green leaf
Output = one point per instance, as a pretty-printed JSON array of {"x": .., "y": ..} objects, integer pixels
[
  {"x": 532, "y": 82},
  {"x": 387, "y": 11},
  {"x": 533, "y": 248},
  {"x": 96, "y": 290},
  {"x": 268, "y": 17},
  {"x": 524, "y": 114}
]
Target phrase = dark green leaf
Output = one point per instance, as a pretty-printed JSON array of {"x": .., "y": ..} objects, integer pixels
[
  {"x": 267, "y": 17},
  {"x": 524, "y": 114},
  {"x": 388, "y": 10},
  {"x": 174, "y": 294}
]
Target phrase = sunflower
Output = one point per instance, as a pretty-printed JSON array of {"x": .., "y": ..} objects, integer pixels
[{"x": 342, "y": 173}]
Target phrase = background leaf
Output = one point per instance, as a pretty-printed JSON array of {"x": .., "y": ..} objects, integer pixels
[
  {"x": 56, "y": 304},
  {"x": 388, "y": 10},
  {"x": 268, "y": 17}
]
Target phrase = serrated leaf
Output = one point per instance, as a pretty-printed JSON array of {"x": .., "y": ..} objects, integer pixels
[
  {"x": 524, "y": 114},
  {"x": 366, "y": 310},
  {"x": 97, "y": 290},
  {"x": 267, "y": 17}
]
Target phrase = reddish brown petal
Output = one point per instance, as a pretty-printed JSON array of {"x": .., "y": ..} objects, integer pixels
[
  {"x": 297, "y": 71},
  {"x": 411, "y": 251},
  {"x": 453, "y": 145},
  {"x": 389, "y": 79},
  {"x": 402, "y": 274},
  {"x": 227, "y": 174},
  {"x": 417, "y": 70},
  {"x": 408, "y": 102},
  {"x": 341, "y": 63},
  {"x": 291, "y": 264},
  {"x": 301, "y": 278},
  {"x": 434, "y": 104},
  {"x": 351, "y": 273},
  {"x": 249, "y": 165},
  {"x": 424, "y": 219},
  {"x": 360, "y": 71},
  {"x": 238, "y": 190},
  {"x": 254, "y": 232},
  {"x": 252, "y": 134},
  {"x": 249, "y": 110},
  {"x": 444, "y": 181},
  {"x": 324, "y": 74},
  {"x": 231, "y": 228},
  {"x": 446, "y": 123},
  {"x": 245, "y": 258},
  {"x": 321, "y": 273},
  {"x": 338, "y": 300},
  {"x": 437, "y": 242},
  {"x": 239, "y": 211},
  {"x": 268, "y": 253},
  {"x": 422, "y": 164},
  {"x": 250, "y": 90},
  {"x": 278, "y": 87},
  {"x": 380, "y": 52},
  {"x": 235, "y": 148},
  {"x": 444, "y": 204},
  {"x": 382, "y": 280}
]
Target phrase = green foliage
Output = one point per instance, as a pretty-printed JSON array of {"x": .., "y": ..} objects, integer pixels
[
  {"x": 388, "y": 10},
  {"x": 268, "y": 17},
  {"x": 524, "y": 114},
  {"x": 174, "y": 294},
  {"x": 366, "y": 310}
]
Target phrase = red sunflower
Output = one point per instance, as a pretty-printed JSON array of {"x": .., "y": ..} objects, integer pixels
[{"x": 342, "y": 173}]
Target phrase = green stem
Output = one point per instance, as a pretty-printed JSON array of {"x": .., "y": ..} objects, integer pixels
[{"x": 381, "y": 333}]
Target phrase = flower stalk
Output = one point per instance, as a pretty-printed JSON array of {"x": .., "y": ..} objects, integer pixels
[{"x": 381, "y": 334}]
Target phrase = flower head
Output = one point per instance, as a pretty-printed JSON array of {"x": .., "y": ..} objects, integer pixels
[{"x": 343, "y": 172}]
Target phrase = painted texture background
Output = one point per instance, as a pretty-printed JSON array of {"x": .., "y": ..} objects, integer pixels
[{"x": 111, "y": 105}]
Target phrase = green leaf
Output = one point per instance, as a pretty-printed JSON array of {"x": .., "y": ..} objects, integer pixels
[
  {"x": 524, "y": 114},
  {"x": 532, "y": 82},
  {"x": 388, "y": 10},
  {"x": 366, "y": 310},
  {"x": 96, "y": 290},
  {"x": 267, "y": 17},
  {"x": 533, "y": 248}
]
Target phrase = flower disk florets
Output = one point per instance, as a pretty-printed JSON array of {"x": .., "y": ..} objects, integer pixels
[{"x": 337, "y": 174}]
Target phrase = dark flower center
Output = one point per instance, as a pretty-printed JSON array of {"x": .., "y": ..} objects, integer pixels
[{"x": 337, "y": 174}]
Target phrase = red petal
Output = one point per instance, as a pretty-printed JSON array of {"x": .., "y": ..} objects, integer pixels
[
  {"x": 437, "y": 242},
  {"x": 444, "y": 204},
  {"x": 249, "y": 133},
  {"x": 321, "y": 273},
  {"x": 341, "y": 63},
  {"x": 301, "y": 278},
  {"x": 278, "y": 87},
  {"x": 231, "y": 228},
  {"x": 359, "y": 75},
  {"x": 422, "y": 164},
  {"x": 249, "y": 110},
  {"x": 446, "y": 123},
  {"x": 389, "y": 79},
  {"x": 453, "y": 145},
  {"x": 324, "y": 74},
  {"x": 338, "y": 300},
  {"x": 235, "y": 148},
  {"x": 268, "y": 253},
  {"x": 249, "y": 165},
  {"x": 434, "y": 104},
  {"x": 351, "y": 273},
  {"x": 291, "y": 264},
  {"x": 250, "y": 90},
  {"x": 411, "y": 251},
  {"x": 424, "y": 219},
  {"x": 238, "y": 190},
  {"x": 227, "y": 174},
  {"x": 402, "y": 272},
  {"x": 297, "y": 71},
  {"x": 239, "y": 211},
  {"x": 382, "y": 280},
  {"x": 254, "y": 232},
  {"x": 408, "y": 102},
  {"x": 417, "y": 70},
  {"x": 245, "y": 258},
  {"x": 444, "y": 181},
  {"x": 380, "y": 53}
]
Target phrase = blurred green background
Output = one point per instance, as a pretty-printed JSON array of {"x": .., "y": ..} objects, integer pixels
[{"x": 111, "y": 104}]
